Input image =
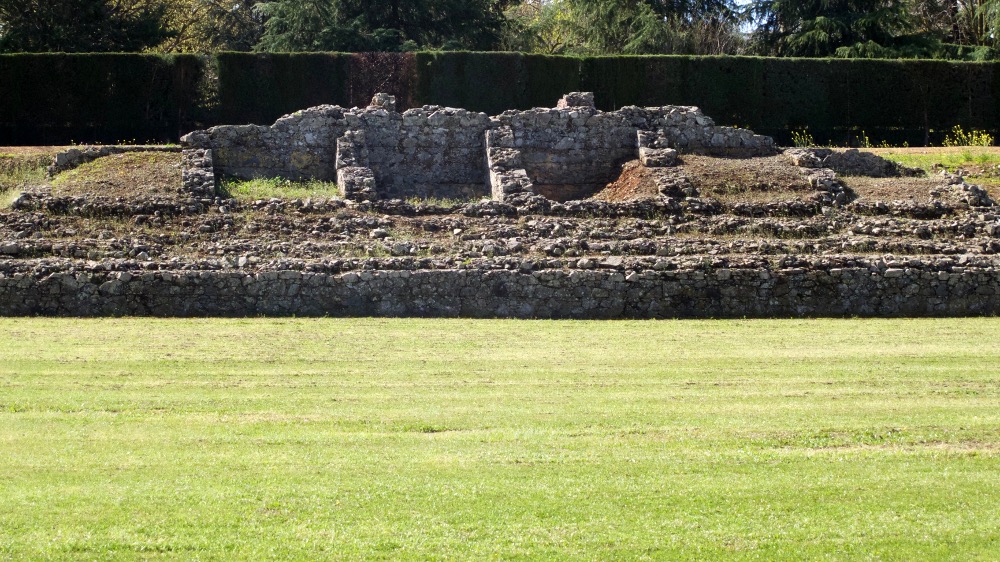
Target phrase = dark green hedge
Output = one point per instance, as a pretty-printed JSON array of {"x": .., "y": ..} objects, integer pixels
[
  {"x": 58, "y": 98},
  {"x": 259, "y": 88},
  {"x": 835, "y": 99},
  {"x": 494, "y": 82}
]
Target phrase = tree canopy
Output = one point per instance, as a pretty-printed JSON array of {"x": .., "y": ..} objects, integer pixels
[
  {"x": 846, "y": 28},
  {"x": 966, "y": 29},
  {"x": 81, "y": 25},
  {"x": 380, "y": 25}
]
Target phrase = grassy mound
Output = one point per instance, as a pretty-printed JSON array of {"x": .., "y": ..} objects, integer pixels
[{"x": 129, "y": 175}]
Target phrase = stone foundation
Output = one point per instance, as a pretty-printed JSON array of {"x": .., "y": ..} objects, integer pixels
[{"x": 585, "y": 292}]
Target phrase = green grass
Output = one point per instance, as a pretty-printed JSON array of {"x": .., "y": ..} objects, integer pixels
[
  {"x": 969, "y": 158},
  {"x": 268, "y": 188},
  {"x": 18, "y": 173},
  {"x": 440, "y": 201},
  {"x": 291, "y": 439},
  {"x": 947, "y": 160}
]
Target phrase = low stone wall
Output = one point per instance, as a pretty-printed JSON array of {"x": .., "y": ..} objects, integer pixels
[{"x": 875, "y": 290}]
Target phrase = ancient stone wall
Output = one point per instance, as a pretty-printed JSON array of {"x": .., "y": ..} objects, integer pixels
[
  {"x": 563, "y": 153},
  {"x": 299, "y": 146},
  {"x": 425, "y": 152},
  {"x": 567, "y": 153},
  {"x": 912, "y": 288}
]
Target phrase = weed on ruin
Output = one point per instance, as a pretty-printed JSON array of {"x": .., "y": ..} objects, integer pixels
[{"x": 277, "y": 188}]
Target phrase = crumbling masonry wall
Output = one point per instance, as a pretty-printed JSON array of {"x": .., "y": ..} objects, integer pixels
[
  {"x": 299, "y": 146},
  {"x": 863, "y": 290},
  {"x": 574, "y": 150},
  {"x": 426, "y": 152},
  {"x": 562, "y": 153}
]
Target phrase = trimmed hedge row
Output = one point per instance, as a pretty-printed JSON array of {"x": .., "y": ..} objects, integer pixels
[
  {"x": 59, "y": 98},
  {"x": 259, "y": 88},
  {"x": 53, "y": 99},
  {"x": 833, "y": 99},
  {"x": 494, "y": 82}
]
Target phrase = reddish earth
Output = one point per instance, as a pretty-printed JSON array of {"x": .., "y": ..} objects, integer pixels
[
  {"x": 635, "y": 182},
  {"x": 761, "y": 179}
]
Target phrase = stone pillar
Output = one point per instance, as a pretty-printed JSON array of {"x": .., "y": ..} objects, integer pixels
[
  {"x": 198, "y": 172},
  {"x": 507, "y": 173},
  {"x": 354, "y": 178}
]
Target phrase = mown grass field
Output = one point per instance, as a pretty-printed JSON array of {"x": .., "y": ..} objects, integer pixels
[{"x": 290, "y": 439}]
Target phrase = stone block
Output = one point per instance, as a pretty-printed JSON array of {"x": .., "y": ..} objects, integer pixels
[
  {"x": 357, "y": 183},
  {"x": 658, "y": 157},
  {"x": 384, "y": 101},
  {"x": 576, "y": 99}
]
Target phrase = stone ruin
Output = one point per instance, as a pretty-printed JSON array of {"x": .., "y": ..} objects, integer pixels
[
  {"x": 813, "y": 232},
  {"x": 568, "y": 152}
]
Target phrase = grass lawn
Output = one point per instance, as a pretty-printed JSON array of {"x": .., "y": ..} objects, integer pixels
[
  {"x": 298, "y": 439},
  {"x": 18, "y": 172},
  {"x": 979, "y": 164},
  {"x": 949, "y": 157}
]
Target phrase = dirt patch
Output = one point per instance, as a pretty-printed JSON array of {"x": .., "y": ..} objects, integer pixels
[
  {"x": 129, "y": 175},
  {"x": 565, "y": 192},
  {"x": 917, "y": 190},
  {"x": 31, "y": 150},
  {"x": 761, "y": 178},
  {"x": 734, "y": 180},
  {"x": 635, "y": 182}
]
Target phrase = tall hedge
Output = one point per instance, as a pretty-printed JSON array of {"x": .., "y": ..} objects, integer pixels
[
  {"x": 259, "y": 88},
  {"x": 834, "y": 99},
  {"x": 58, "y": 98},
  {"x": 493, "y": 82}
]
